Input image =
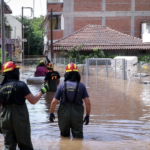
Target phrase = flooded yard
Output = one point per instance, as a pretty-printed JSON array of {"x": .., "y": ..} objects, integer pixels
[{"x": 120, "y": 115}]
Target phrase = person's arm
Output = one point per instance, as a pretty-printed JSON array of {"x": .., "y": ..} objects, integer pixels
[
  {"x": 88, "y": 105},
  {"x": 46, "y": 81},
  {"x": 58, "y": 81},
  {"x": 33, "y": 99},
  {"x": 48, "y": 59},
  {"x": 53, "y": 105}
]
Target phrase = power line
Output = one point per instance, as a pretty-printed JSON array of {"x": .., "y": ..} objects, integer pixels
[{"x": 8, "y": 1}]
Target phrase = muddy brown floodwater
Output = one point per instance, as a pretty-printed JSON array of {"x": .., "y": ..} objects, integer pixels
[{"x": 120, "y": 116}]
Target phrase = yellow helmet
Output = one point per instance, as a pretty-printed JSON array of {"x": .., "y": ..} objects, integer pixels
[{"x": 41, "y": 61}]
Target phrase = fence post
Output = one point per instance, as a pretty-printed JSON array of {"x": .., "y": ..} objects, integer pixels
[
  {"x": 106, "y": 62},
  {"x": 115, "y": 68},
  {"x": 55, "y": 61},
  {"x": 126, "y": 69},
  {"x": 64, "y": 61},
  {"x": 87, "y": 72},
  {"x": 123, "y": 70},
  {"x": 96, "y": 68},
  {"x": 140, "y": 72}
]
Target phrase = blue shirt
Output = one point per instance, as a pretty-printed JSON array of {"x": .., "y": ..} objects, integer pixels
[{"x": 71, "y": 88}]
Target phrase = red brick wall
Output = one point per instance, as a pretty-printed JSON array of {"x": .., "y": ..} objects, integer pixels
[
  {"x": 56, "y": 7},
  {"x": 118, "y": 5},
  {"x": 138, "y": 21},
  {"x": 57, "y": 34},
  {"x": 87, "y": 5},
  {"x": 81, "y": 22},
  {"x": 122, "y": 24},
  {"x": 142, "y": 5}
]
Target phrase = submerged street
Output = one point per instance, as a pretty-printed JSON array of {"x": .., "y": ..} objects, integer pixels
[{"x": 120, "y": 116}]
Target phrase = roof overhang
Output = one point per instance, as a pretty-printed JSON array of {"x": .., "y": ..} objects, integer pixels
[
  {"x": 105, "y": 47},
  {"x": 7, "y": 9}
]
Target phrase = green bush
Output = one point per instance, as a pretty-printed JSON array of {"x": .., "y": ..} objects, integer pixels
[
  {"x": 7, "y": 58},
  {"x": 144, "y": 58}
]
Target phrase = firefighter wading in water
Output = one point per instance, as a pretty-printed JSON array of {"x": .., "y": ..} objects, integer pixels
[
  {"x": 14, "y": 117},
  {"x": 71, "y": 94},
  {"x": 52, "y": 77}
]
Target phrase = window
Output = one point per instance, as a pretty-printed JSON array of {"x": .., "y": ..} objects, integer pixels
[
  {"x": 56, "y": 22},
  {"x": 148, "y": 27}
]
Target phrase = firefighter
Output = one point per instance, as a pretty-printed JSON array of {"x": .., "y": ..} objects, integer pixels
[
  {"x": 71, "y": 94},
  {"x": 40, "y": 70},
  {"x": 52, "y": 77},
  {"x": 14, "y": 117}
]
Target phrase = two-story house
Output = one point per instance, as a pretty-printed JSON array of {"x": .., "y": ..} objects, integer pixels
[{"x": 125, "y": 16}]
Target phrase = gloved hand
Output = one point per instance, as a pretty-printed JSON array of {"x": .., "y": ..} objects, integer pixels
[
  {"x": 86, "y": 120},
  {"x": 51, "y": 117},
  {"x": 44, "y": 88}
]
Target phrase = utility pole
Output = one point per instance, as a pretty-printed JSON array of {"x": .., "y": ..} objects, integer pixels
[
  {"x": 2, "y": 32},
  {"x": 15, "y": 40},
  {"x": 28, "y": 39},
  {"x": 52, "y": 53},
  {"x": 23, "y": 29},
  {"x": 22, "y": 35}
]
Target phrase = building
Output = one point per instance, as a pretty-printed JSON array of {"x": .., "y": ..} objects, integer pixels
[
  {"x": 8, "y": 42},
  {"x": 99, "y": 37},
  {"x": 125, "y": 16},
  {"x": 16, "y": 36}
]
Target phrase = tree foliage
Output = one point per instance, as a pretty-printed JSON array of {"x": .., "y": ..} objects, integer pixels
[
  {"x": 35, "y": 33},
  {"x": 97, "y": 53},
  {"x": 75, "y": 53},
  {"x": 8, "y": 28},
  {"x": 7, "y": 58}
]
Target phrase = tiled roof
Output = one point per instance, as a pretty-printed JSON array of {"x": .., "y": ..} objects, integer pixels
[{"x": 101, "y": 37}]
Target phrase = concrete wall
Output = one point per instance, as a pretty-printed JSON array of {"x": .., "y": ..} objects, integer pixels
[
  {"x": 122, "y": 15},
  {"x": 57, "y": 7},
  {"x": 14, "y": 23}
]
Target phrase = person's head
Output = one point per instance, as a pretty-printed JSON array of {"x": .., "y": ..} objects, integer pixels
[
  {"x": 10, "y": 71},
  {"x": 41, "y": 63},
  {"x": 72, "y": 73},
  {"x": 50, "y": 66}
]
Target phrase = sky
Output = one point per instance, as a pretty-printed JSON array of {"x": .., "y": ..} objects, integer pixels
[{"x": 16, "y": 5}]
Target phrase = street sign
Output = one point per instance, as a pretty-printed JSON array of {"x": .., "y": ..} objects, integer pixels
[{"x": 22, "y": 40}]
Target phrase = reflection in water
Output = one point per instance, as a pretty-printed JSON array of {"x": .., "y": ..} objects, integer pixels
[{"x": 119, "y": 117}]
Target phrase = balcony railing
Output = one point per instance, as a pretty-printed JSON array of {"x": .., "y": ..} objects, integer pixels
[{"x": 54, "y": 1}]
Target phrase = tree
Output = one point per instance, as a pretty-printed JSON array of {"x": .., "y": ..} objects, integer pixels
[
  {"x": 75, "y": 53},
  {"x": 32, "y": 27},
  {"x": 97, "y": 54},
  {"x": 7, "y": 58},
  {"x": 8, "y": 28}
]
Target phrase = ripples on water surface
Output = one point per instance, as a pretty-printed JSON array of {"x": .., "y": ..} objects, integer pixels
[{"x": 120, "y": 116}]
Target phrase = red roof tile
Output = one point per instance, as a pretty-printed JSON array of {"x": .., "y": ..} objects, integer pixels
[{"x": 101, "y": 37}]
